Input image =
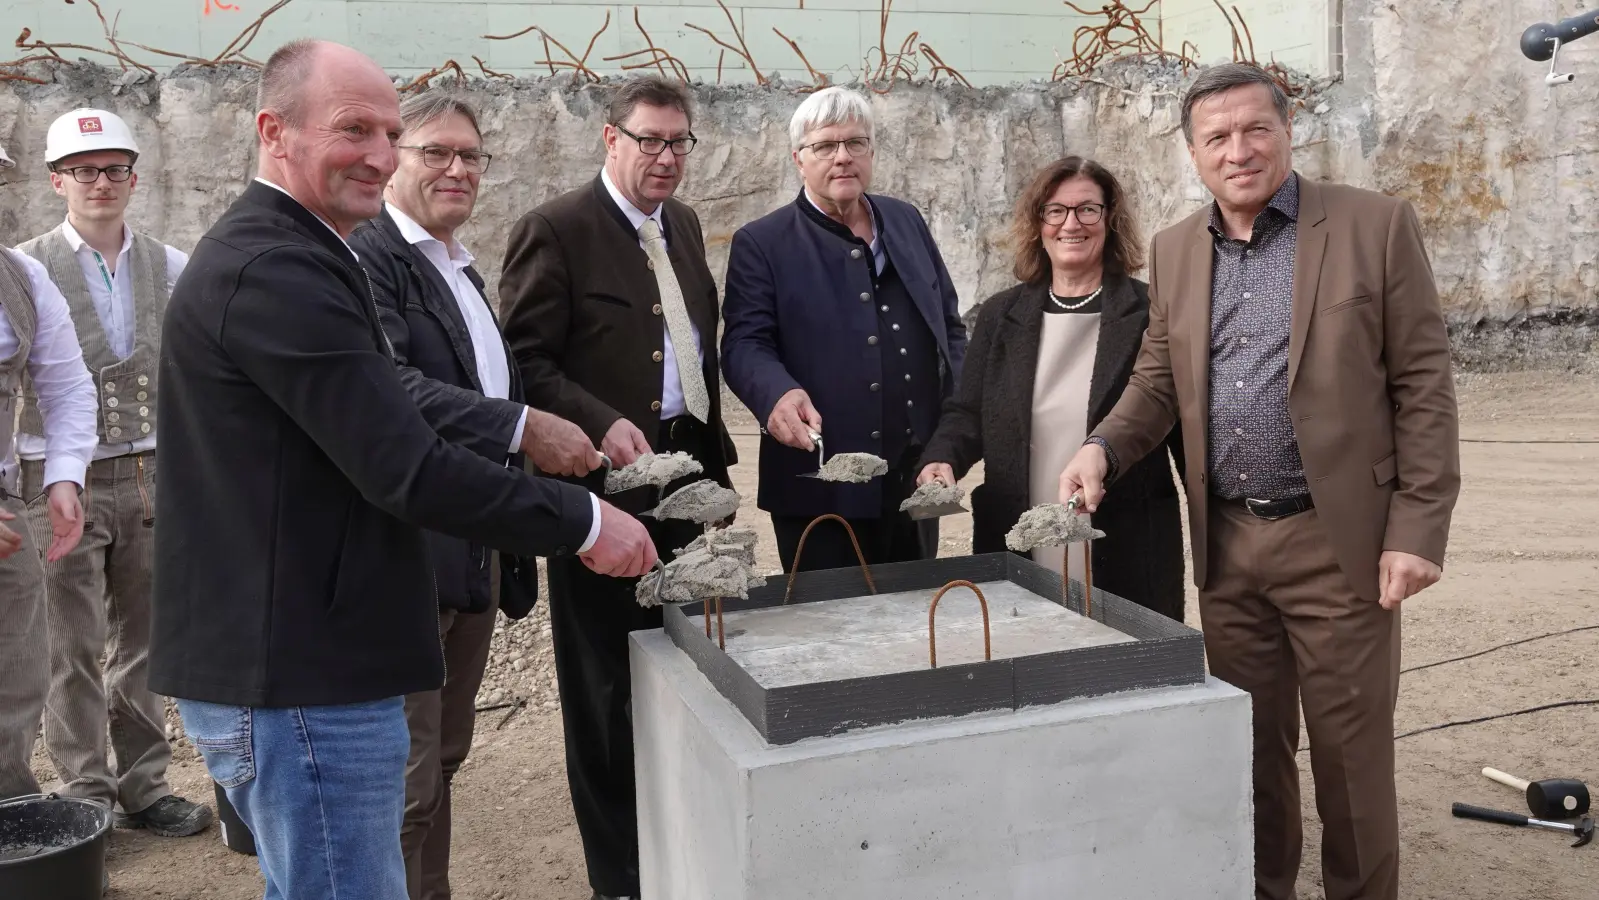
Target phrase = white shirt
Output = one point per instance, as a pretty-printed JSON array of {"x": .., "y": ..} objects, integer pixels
[
  {"x": 672, "y": 404},
  {"x": 876, "y": 244},
  {"x": 67, "y": 398},
  {"x": 494, "y": 371},
  {"x": 112, "y": 293}
]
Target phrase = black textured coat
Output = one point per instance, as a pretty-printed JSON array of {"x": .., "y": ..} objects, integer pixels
[
  {"x": 298, "y": 475},
  {"x": 433, "y": 348},
  {"x": 990, "y": 419}
]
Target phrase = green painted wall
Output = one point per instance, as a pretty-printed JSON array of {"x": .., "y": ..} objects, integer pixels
[{"x": 989, "y": 41}]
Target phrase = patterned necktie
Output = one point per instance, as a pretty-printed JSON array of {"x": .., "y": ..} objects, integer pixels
[{"x": 677, "y": 323}]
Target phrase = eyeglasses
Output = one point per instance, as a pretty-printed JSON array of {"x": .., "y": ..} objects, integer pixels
[
  {"x": 91, "y": 174},
  {"x": 857, "y": 146},
  {"x": 1087, "y": 214},
  {"x": 652, "y": 146},
  {"x": 437, "y": 157}
]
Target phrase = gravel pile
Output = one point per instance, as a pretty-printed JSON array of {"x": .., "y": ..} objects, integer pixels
[{"x": 521, "y": 663}]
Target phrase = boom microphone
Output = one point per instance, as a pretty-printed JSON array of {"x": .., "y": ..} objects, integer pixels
[{"x": 1537, "y": 42}]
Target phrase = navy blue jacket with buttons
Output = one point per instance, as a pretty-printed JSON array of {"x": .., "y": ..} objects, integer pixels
[{"x": 802, "y": 310}]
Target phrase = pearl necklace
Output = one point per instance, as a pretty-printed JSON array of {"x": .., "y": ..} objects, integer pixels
[{"x": 1079, "y": 304}]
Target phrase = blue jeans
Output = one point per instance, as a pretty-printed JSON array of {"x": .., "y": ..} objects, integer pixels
[{"x": 321, "y": 788}]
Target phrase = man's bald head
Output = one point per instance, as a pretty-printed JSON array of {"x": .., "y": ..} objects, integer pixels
[
  {"x": 283, "y": 79},
  {"x": 328, "y": 119},
  {"x": 292, "y": 69}
]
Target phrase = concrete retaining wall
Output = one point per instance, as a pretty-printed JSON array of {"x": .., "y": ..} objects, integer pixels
[{"x": 1438, "y": 106}]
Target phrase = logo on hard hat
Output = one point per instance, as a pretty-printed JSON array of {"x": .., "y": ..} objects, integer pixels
[{"x": 89, "y": 125}]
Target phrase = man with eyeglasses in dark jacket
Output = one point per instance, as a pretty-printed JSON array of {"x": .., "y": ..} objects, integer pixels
[{"x": 455, "y": 364}]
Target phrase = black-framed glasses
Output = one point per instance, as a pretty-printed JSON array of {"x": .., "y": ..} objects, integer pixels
[
  {"x": 1087, "y": 213},
  {"x": 857, "y": 146},
  {"x": 652, "y": 146},
  {"x": 435, "y": 156},
  {"x": 91, "y": 174}
]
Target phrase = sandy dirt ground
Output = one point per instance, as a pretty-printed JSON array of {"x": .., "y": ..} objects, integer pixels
[{"x": 1521, "y": 563}]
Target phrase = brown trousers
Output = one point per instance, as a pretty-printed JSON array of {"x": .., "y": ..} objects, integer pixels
[
  {"x": 1282, "y": 623},
  {"x": 105, "y": 731},
  {"x": 441, "y": 724},
  {"x": 24, "y": 656}
]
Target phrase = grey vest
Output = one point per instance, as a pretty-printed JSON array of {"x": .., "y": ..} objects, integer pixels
[
  {"x": 126, "y": 388},
  {"x": 16, "y": 299}
]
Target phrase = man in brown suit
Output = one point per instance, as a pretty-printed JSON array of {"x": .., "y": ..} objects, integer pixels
[
  {"x": 1296, "y": 326},
  {"x": 611, "y": 312}
]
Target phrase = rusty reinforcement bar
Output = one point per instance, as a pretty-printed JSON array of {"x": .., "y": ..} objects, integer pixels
[
  {"x": 1088, "y": 577},
  {"x": 932, "y": 612},
  {"x": 866, "y": 572}
]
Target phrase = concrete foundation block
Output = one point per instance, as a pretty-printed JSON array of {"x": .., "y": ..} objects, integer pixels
[{"x": 1133, "y": 795}]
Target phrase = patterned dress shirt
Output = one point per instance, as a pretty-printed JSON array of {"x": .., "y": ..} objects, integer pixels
[{"x": 1252, "y": 450}]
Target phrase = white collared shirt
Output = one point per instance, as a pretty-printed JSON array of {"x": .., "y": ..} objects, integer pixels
[
  {"x": 876, "y": 243},
  {"x": 112, "y": 293},
  {"x": 672, "y": 404},
  {"x": 493, "y": 368},
  {"x": 67, "y": 398}
]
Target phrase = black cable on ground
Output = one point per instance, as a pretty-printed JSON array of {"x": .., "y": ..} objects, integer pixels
[
  {"x": 1481, "y": 719},
  {"x": 1519, "y": 712},
  {"x": 1540, "y": 637},
  {"x": 1533, "y": 441}
]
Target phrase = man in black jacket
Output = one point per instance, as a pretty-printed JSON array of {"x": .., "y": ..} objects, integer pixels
[
  {"x": 431, "y": 302},
  {"x": 295, "y": 605}
]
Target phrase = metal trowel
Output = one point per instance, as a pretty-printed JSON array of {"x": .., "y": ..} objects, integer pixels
[{"x": 820, "y": 458}]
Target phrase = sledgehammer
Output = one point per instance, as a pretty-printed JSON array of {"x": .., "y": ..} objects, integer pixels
[{"x": 1552, "y": 798}]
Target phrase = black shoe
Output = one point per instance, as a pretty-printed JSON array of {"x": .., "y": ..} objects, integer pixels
[
  {"x": 171, "y": 816},
  {"x": 600, "y": 896}
]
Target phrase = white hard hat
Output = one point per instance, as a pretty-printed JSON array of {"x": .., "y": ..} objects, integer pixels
[
  {"x": 85, "y": 130},
  {"x": 5, "y": 161}
]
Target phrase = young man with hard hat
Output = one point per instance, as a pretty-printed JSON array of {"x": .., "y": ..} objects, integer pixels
[
  {"x": 39, "y": 346},
  {"x": 116, "y": 282}
]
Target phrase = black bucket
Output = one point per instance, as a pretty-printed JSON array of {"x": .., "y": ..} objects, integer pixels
[
  {"x": 236, "y": 835},
  {"x": 52, "y": 848}
]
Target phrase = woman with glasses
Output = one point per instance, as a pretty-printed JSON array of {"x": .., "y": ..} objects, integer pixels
[{"x": 1048, "y": 359}]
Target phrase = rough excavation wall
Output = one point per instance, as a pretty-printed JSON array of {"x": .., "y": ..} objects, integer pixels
[{"x": 1502, "y": 170}]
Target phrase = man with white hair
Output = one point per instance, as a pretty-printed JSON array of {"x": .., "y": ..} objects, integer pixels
[
  {"x": 37, "y": 344},
  {"x": 116, "y": 282},
  {"x": 839, "y": 304}
]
